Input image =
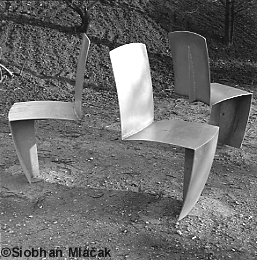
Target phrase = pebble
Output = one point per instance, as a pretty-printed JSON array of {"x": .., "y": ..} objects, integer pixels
[{"x": 179, "y": 232}]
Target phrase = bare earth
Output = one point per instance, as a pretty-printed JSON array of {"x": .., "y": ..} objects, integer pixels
[{"x": 99, "y": 192}]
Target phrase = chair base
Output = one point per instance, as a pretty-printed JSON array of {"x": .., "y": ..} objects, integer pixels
[
  {"x": 23, "y": 135},
  {"x": 21, "y": 121},
  {"x": 200, "y": 141},
  {"x": 230, "y": 113},
  {"x": 196, "y": 172}
]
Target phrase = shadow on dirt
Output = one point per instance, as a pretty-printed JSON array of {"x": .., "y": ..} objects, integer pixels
[
  {"x": 23, "y": 19},
  {"x": 46, "y": 210}
]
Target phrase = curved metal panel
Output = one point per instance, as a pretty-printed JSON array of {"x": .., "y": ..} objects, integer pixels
[
  {"x": 197, "y": 168},
  {"x": 191, "y": 65},
  {"x": 23, "y": 135},
  {"x": 42, "y": 110},
  {"x": 184, "y": 134},
  {"x": 80, "y": 74},
  {"x": 134, "y": 86}
]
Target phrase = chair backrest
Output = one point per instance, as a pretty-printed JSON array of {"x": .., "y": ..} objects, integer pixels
[
  {"x": 134, "y": 87},
  {"x": 80, "y": 74},
  {"x": 191, "y": 65}
]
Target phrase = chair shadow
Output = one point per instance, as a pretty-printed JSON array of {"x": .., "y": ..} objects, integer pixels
[
  {"x": 120, "y": 205},
  {"x": 83, "y": 213}
]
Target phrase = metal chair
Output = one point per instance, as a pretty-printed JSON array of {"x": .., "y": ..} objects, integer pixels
[
  {"x": 230, "y": 107},
  {"x": 23, "y": 114},
  {"x": 134, "y": 87}
]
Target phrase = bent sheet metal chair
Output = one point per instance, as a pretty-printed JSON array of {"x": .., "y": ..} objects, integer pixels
[
  {"x": 23, "y": 114},
  {"x": 134, "y": 87},
  {"x": 230, "y": 107}
]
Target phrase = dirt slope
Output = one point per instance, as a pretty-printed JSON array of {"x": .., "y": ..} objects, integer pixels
[{"x": 96, "y": 190}]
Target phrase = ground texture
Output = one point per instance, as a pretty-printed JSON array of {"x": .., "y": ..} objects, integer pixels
[{"x": 96, "y": 190}]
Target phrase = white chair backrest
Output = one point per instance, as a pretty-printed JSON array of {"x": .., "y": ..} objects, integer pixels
[
  {"x": 191, "y": 65},
  {"x": 80, "y": 74},
  {"x": 134, "y": 87}
]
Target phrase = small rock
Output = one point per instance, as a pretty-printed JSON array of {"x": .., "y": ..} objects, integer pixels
[{"x": 179, "y": 232}]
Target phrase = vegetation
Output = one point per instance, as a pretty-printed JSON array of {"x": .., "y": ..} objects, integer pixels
[
  {"x": 99, "y": 191},
  {"x": 82, "y": 8},
  {"x": 113, "y": 23},
  {"x": 232, "y": 11}
]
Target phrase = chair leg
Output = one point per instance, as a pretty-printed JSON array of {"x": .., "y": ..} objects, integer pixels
[
  {"x": 23, "y": 135},
  {"x": 197, "y": 168},
  {"x": 231, "y": 116},
  {"x": 243, "y": 107}
]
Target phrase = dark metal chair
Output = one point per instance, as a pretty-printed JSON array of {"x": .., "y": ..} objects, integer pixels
[
  {"x": 134, "y": 87},
  {"x": 230, "y": 107}
]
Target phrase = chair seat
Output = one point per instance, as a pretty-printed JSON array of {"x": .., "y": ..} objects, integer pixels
[
  {"x": 42, "y": 110},
  {"x": 220, "y": 92},
  {"x": 186, "y": 134}
]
